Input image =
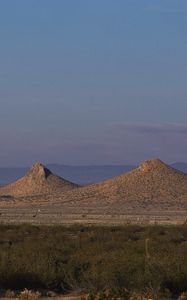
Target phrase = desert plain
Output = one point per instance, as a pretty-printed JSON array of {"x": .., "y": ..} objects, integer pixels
[{"x": 153, "y": 193}]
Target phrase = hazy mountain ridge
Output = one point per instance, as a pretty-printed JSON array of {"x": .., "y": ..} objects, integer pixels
[{"x": 180, "y": 166}]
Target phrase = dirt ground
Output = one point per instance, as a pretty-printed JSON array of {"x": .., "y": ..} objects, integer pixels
[{"x": 66, "y": 215}]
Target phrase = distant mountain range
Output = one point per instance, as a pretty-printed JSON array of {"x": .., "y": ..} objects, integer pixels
[
  {"x": 79, "y": 174},
  {"x": 180, "y": 166}
]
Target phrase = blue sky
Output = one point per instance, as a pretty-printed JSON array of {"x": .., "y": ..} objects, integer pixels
[{"x": 93, "y": 81}]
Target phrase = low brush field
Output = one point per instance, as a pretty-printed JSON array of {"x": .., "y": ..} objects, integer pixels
[{"x": 116, "y": 262}]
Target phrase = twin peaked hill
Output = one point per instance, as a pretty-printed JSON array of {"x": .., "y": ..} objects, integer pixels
[{"x": 153, "y": 182}]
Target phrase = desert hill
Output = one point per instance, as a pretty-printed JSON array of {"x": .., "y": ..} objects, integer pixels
[
  {"x": 153, "y": 192},
  {"x": 152, "y": 184},
  {"x": 81, "y": 175},
  {"x": 38, "y": 181}
]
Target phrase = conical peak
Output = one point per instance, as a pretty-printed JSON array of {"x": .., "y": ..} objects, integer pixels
[
  {"x": 39, "y": 170},
  {"x": 152, "y": 164}
]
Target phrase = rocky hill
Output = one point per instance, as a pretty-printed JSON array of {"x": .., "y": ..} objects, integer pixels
[
  {"x": 79, "y": 174},
  {"x": 38, "y": 181},
  {"x": 152, "y": 184}
]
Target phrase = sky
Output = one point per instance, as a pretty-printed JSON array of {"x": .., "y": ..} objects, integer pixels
[{"x": 92, "y": 82}]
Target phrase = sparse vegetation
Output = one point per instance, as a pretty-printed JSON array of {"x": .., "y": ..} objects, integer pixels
[
  {"x": 28, "y": 295},
  {"x": 10, "y": 294},
  {"x": 127, "y": 262}
]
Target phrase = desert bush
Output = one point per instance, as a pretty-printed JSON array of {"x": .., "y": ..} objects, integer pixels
[
  {"x": 137, "y": 295},
  {"x": 10, "y": 294},
  {"x": 183, "y": 296},
  {"x": 95, "y": 259},
  {"x": 28, "y": 295}
]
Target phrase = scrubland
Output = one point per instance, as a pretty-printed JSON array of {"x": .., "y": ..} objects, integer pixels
[{"x": 116, "y": 262}]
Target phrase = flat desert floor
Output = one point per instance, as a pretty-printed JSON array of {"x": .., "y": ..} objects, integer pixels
[{"x": 68, "y": 215}]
